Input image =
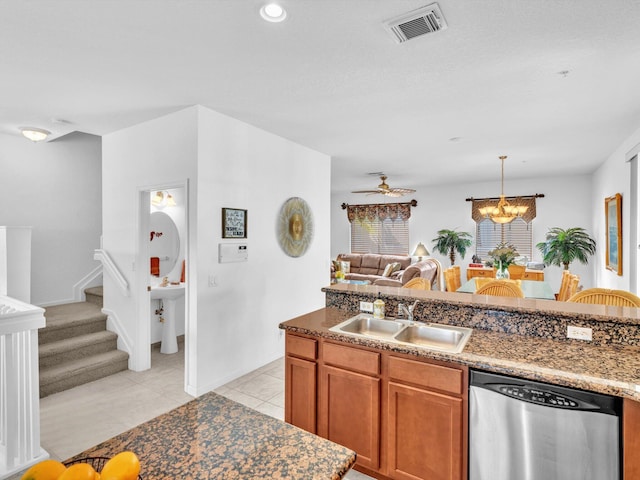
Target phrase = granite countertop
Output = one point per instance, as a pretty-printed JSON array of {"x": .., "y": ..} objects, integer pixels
[
  {"x": 609, "y": 369},
  {"x": 213, "y": 437}
]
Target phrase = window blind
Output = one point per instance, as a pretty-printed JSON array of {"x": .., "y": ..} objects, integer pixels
[
  {"x": 389, "y": 237},
  {"x": 518, "y": 233}
]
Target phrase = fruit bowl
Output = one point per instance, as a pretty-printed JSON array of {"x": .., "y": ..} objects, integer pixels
[{"x": 96, "y": 462}]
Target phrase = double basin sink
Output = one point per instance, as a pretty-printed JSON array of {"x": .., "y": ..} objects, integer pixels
[{"x": 434, "y": 336}]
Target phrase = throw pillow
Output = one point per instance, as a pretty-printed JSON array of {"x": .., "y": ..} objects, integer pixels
[
  {"x": 336, "y": 265},
  {"x": 345, "y": 266},
  {"x": 390, "y": 269}
]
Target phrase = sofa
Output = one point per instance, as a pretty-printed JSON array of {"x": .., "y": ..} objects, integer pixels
[{"x": 371, "y": 267}]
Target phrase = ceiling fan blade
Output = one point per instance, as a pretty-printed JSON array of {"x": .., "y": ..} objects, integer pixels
[
  {"x": 366, "y": 191},
  {"x": 402, "y": 191},
  {"x": 384, "y": 189}
]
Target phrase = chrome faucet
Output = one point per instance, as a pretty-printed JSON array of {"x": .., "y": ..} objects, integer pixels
[{"x": 403, "y": 309}]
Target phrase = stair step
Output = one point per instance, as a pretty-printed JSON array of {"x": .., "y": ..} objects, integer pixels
[
  {"x": 70, "y": 320},
  {"x": 84, "y": 370},
  {"x": 95, "y": 295},
  {"x": 53, "y": 353}
]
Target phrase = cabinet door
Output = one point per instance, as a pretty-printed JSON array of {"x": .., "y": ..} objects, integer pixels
[
  {"x": 425, "y": 434},
  {"x": 300, "y": 393},
  {"x": 350, "y": 413},
  {"x": 631, "y": 439}
]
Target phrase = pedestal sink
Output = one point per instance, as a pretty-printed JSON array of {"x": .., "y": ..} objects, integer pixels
[{"x": 168, "y": 295}]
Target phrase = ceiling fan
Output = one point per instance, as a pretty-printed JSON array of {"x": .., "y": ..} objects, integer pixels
[{"x": 384, "y": 189}]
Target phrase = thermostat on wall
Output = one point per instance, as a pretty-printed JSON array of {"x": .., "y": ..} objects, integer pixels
[{"x": 232, "y": 252}]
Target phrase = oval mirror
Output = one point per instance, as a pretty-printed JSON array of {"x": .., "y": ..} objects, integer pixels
[{"x": 164, "y": 244}]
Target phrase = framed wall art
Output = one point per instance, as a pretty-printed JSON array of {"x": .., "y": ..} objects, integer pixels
[
  {"x": 234, "y": 223},
  {"x": 613, "y": 214}
]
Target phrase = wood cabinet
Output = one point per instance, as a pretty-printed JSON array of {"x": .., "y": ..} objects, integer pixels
[
  {"x": 536, "y": 275},
  {"x": 349, "y": 401},
  {"x": 300, "y": 401},
  {"x": 480, "y": 272},
  {"x": 405, "y": 417},
  {"x": 426, "y": 421},
  {"x": 631, "y": 439}
]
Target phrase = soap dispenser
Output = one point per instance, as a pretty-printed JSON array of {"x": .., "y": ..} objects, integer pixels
[{"x": 378, "y": 309}]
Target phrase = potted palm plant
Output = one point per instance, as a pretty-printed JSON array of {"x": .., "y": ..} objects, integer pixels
[
  {"x": 448, "y": 242},
  {"x": 562, "y": 247}
]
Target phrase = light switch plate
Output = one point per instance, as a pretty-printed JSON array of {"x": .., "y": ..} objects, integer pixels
[
  {"x": 579, "y": 333},
  {"x": 366, "y": 307}
]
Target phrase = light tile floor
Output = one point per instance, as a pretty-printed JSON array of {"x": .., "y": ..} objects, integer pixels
[{"x": 76, "y": 419}]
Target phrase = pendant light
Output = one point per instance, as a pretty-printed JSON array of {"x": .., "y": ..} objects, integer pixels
[{"x": 503, "y": 212}]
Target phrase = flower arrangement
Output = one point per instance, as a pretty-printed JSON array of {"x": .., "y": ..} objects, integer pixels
[{"x": 503, "y": 255}]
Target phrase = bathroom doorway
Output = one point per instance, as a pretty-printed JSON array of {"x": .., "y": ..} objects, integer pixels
[{"x": 162, "y": 276}]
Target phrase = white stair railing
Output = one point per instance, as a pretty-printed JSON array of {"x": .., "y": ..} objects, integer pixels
[
  {"x": 112, "y": 269},
  {"x": 19, "y": 386}
]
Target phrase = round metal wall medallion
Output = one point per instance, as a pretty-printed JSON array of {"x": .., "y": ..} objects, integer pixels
[{"x": 295, "y": 227}]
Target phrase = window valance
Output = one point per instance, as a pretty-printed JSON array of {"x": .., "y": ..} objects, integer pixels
[
  {"x": 528, "y": 201},
  {"x": 379, "y": 211}
]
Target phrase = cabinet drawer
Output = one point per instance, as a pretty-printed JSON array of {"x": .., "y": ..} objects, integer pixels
[
  {"x": 536, "y": 276},
  {"x": 446, "y": 379},
  {"x": 351, "y": 358},
  {"x": 479, "y": 272},
  {"x": 301, "y": 347}
]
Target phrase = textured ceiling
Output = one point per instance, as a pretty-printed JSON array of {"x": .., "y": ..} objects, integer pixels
[{"x": 331, "y": 78}]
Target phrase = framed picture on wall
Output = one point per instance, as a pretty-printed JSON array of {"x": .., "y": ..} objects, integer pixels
[
  {"x": 613, "y": 214},
  {"x": 234, "y": 223}
]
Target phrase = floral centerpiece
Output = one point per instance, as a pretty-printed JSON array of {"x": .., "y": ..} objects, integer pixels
[{"x": 503, "y": 255}]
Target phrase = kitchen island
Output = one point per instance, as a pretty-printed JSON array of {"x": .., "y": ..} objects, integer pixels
[
  {"x": 212, "y": 437},
  {"x": 408, "y": 405}
]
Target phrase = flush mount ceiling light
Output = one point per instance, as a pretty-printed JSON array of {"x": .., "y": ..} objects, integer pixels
[
  {"x": 503, "y": 212},
  {"x": 35, "y": 134},
  {"x": 272, "y": 12}
]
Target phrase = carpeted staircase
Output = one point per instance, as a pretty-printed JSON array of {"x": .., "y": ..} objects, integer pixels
[{"x": 75, "y": 347}]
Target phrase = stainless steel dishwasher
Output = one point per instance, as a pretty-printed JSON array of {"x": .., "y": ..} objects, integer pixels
[{"x": 524, "y": 430}]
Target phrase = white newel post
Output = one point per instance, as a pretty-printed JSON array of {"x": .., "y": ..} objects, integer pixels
[{"x": 19, "y": 386}]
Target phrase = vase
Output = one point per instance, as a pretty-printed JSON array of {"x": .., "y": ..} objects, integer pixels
[{"x": 502, "y": 272}]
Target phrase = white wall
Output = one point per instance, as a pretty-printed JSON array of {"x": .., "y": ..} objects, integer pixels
[
  {"x": 567, "y": 203},
  {"x": 54, "y": 187},
  {"x": 241, "y": 166},
  {"x": 232, "y": 328},
  {"x": 611, "y": 178}
]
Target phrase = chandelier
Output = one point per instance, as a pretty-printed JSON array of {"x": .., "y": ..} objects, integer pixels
[{"x": 504, "y": 212}]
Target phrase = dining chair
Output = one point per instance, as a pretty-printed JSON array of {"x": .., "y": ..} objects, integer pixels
[
  {"x": 418, "y": 283},
  {"x": 501, "y": 288},
  {"x": 452, "y": 278},
  {"x": 572, "y": 288},
  {"x": 605, "y": 296},
  {"x": 564, "y": 285},
  {"x": 482, "y": 281},
  {"x": 516, "y": 272}
]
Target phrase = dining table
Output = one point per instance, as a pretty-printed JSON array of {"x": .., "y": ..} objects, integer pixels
[{"x": 531, "y": 288}]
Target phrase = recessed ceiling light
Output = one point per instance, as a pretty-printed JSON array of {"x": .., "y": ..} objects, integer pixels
[
  {"x": 35, "y": 134},
  {"x": 272, "y": 12}
]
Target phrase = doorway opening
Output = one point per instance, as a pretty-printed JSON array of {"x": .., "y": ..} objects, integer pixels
[{"x": 162, "y": 278}]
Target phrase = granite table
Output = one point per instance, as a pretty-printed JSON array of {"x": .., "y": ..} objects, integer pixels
[{"x": 212, "y": 437}]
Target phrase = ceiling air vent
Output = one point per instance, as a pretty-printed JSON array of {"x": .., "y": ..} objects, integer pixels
[{"x": 416, "y": 23}]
